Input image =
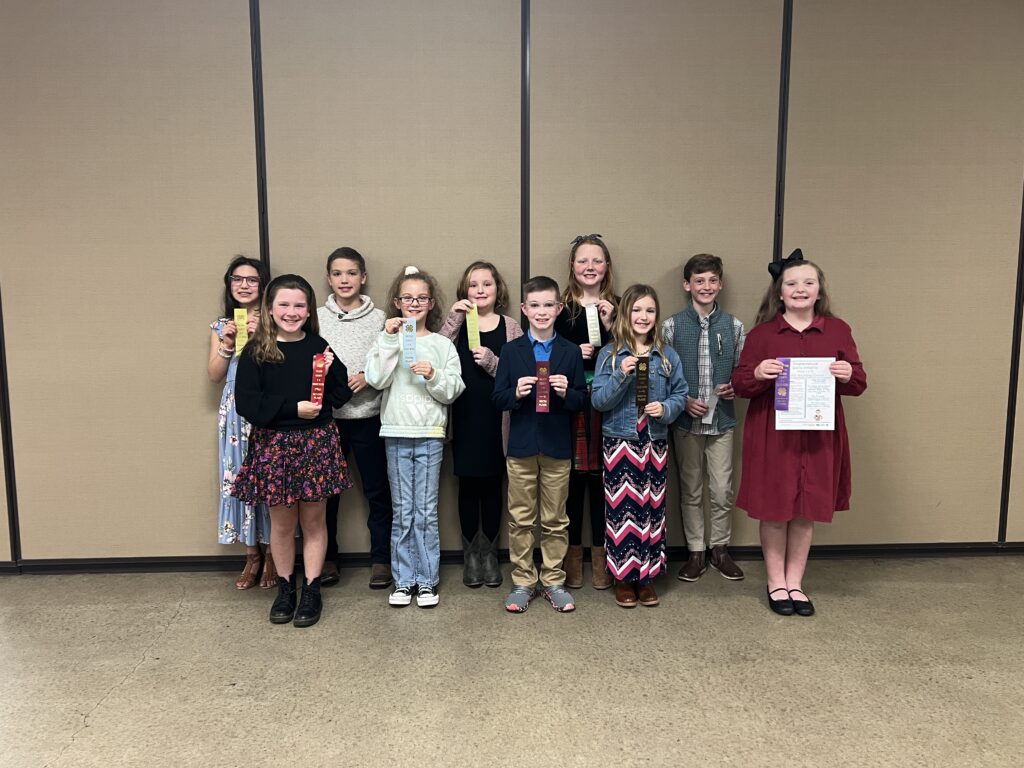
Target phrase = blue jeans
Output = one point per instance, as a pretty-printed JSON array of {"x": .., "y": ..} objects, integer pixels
[{"x": 414, "y": 469}]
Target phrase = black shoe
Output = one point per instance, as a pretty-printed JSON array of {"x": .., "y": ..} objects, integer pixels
[
  {"x": 310, "y": 604},
  {"x": 781, "y": 607},
  {"x": 801, "y": 607},
  {"x": 283, "y": 609}
]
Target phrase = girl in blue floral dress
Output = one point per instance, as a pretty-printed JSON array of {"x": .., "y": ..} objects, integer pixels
[{"x": 237, "y": 522}]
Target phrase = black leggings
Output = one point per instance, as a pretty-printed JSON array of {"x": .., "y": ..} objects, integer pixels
[
  {"x": 579, "y": 484},
  {"x": 480, "y": 506}
]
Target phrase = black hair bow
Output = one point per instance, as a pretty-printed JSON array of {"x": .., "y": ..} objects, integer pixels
[{"x": 776, "y": 267}]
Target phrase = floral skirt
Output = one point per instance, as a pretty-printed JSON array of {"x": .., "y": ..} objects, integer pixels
[{"x": 283, "y": 467}]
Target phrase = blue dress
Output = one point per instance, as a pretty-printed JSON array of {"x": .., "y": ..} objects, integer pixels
[{"x": 237, "y": 523}]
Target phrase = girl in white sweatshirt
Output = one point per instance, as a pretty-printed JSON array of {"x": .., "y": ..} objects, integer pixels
[{"x": 420, "y": 377}]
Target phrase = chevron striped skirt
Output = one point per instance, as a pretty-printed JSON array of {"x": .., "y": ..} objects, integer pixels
[{"x": 634, "y": 505}]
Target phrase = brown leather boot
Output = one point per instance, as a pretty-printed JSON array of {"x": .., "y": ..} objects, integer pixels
[
  {"x": 646, "y": 595},
  {"x": 724, "y": 564},
  {"x": 625, "y": 594},
  {"x": 599, "y": 576},
  {"x": 694, "y": 568},
  {"x": 573, "y": 566}
]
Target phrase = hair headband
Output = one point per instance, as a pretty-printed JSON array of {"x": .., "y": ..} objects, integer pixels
[
  {"x": 293, "y": 278},
  {"x": 776, "y": 268},
  {"x": 580, "y": 238}
]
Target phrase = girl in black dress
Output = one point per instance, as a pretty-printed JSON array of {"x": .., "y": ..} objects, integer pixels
[{"x": 480, "y": 431}]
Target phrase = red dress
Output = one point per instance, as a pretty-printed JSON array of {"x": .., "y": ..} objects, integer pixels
[{"x": 791, "y": 473}]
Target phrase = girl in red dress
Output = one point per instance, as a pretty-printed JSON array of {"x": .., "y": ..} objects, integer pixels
[{"x": 792, "y": 479}]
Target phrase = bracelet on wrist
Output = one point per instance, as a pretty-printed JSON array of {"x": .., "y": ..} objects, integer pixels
[{"x": 224, "y": 353}]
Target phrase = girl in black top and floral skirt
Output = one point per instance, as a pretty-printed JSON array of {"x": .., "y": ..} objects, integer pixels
[{"x": 295, "y": 459}]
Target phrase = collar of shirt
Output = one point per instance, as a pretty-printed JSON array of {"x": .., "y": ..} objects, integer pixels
[
  {"x": 706, "y": 321},
  {"x": 541, "y": 347},
  {"x": 817, "y": 324}
]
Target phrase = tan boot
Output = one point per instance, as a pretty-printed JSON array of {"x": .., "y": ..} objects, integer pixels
[
  {"x": 599, "y": 576},
  {"x": 573, "y": 566}
]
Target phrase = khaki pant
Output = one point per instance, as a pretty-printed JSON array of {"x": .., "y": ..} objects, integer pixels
[
  {"x": 693, "y": 454},
  {"x": 526, "y": 479}
]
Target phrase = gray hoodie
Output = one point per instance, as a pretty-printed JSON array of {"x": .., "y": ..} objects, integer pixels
[{"x": 351, "y": 334}]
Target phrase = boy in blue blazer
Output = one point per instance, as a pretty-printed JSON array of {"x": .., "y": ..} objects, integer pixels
[{"x": 539, "y": 445}]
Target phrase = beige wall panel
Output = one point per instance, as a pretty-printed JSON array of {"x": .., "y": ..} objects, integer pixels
[
  {"x": 655, "y": 124},
  {"x": 904, "y": 181},
  {"x": 128, "y": 172},
  {"x": 393, "y": 128}
]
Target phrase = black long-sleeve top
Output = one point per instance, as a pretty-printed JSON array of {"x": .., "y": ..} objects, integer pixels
[{"x": 268, "y": 394}]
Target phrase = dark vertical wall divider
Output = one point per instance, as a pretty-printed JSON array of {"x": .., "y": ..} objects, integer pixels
[
  {"x": 524, "y": 147},
  {"x": 255, "y": 39},
  {"x": 1011, "y": 398},
  {"x": 780, "y": 161},
  {"x": 10, "y": 488}
]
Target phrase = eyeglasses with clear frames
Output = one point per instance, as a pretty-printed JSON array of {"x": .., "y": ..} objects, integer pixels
[
  {"x": 239, "y": 279},
  {"x": 414, "y": 300}
]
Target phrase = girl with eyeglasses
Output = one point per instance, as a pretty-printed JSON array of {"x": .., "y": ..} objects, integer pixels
[
  {"x": 420, "y": 374},
  {"x": 238, "y": 522}
]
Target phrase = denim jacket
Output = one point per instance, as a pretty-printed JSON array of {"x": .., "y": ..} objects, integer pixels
[{"x": 615, "y": 393}]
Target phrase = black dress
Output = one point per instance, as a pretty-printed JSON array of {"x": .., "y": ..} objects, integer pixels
[{"x": 476, "y": 423}]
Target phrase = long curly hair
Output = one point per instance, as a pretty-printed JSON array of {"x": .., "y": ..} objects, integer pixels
[
  {"x": 433, "y": 318},
  {"x": 263, "y": 344}
]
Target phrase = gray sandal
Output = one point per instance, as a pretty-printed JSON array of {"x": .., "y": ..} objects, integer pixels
[
  {"x": 559, "y": 598},
  {"x": 519, "y": 598}
]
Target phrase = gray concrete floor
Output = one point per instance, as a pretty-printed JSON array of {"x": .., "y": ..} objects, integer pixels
[{"x": 908, "y": 663}]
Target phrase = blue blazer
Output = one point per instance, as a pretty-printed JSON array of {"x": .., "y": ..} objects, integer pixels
[{"x": 532, "y": 433}]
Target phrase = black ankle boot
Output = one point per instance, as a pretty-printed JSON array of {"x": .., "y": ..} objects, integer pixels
[
  {"x": 489, "y": 558},
  {"x": 283, "y": 609},
  {"x": 472, "y": 573},
  {"x": 310, "y": 604}
]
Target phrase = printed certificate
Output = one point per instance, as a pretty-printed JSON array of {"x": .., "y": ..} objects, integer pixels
[{"x": 805, "y": 394}]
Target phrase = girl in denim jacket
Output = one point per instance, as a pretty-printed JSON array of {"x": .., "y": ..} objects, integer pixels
[{"x": 635, "y": 443}]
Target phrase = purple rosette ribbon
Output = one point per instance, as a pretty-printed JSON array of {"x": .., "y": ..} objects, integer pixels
[{"x": 782, "y": 387}]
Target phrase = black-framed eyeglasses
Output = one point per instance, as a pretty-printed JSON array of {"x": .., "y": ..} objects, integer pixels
[{"x": 411, "y": 300}]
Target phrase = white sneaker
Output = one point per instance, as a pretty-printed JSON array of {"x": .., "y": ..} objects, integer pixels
[
  {"x": 401, "y": 596},
  {"x": 426, "y": 597}
]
